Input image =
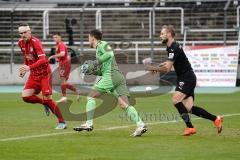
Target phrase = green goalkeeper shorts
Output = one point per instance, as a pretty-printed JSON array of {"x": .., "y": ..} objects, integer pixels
[{"x": 115, "y": 85}]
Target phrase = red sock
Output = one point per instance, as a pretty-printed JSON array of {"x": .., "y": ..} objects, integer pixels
[
  {"x": 63, "y": 88},
  {"x": 71, "y": 87},
  {"x": 33, "y": 99},
  {"x": 54, "y": 108}
]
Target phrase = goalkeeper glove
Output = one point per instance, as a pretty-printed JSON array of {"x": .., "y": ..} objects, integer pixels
[{"x": 89, "y": 66}]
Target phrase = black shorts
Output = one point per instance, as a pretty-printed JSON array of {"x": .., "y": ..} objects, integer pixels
[{"x": 186, "y": 84}]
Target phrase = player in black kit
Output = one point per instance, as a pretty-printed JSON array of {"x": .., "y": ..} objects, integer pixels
[{"x": 183, "y": 96}]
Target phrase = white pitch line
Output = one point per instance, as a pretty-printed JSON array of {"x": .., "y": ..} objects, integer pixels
[
  {"x": 103, "y": 129},
  {"x": 33, "y": 136}
]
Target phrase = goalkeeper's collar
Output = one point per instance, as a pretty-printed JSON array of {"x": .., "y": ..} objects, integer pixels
[{"x": 99, "y": 42}]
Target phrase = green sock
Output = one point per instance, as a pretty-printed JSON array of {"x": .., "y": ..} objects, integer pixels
[
  {"x": 90, "y": 107},
  {"x": 133, "y": 115}
]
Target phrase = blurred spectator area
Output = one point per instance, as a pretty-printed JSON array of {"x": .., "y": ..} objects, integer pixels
[{"x": 117, "y": 26}]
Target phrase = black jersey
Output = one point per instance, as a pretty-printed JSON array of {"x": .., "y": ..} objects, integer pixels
[{"x": 179, "y": 59}]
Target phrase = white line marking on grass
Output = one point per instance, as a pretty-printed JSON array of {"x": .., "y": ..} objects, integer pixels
[
  {"x": 33, "y": 136},
  {"x": 102, "y": 129}
]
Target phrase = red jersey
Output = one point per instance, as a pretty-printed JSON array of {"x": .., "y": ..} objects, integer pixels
[
  {"x": 33, "y": 52},
  {"x": 61, "y": 47}
]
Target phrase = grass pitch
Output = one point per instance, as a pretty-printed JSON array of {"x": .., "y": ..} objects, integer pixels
[{"x": 27, "y": 134}]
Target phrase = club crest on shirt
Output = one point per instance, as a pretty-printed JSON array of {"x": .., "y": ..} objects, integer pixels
[
  {"x": 181, "y": 84},
  {"x": 170, "y": 55},
  {"x": 30, "y": 49},
  {"x": 107, "y": 48}
]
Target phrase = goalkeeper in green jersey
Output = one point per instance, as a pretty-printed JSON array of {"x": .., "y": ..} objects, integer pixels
[{"x": 112, "y": 81}]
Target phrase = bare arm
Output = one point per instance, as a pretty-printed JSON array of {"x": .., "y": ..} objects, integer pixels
[
  {"x": 61, "y": 54},
  {"x": 164, "y": 67}
]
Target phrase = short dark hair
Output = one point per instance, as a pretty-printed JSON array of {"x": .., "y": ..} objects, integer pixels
[
  {"x": 170, "y": 29},
  {"x": 56, "y": 33},
  {"x": 96, "y": 34}
]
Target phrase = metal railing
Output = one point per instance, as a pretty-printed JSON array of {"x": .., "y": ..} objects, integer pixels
[
  {"x": 135, "y": 48},
  {"x": 238, "y": 10},
  {"x": 135, "y": 45},
  {"x": 99, "y": 16},
  {"x": 211, "y": 30}
]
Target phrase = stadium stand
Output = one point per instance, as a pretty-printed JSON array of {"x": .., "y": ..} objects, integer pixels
[{"x": 117, "y": 26}]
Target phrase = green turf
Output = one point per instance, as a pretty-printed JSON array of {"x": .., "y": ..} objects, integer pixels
[{"x": 163, "y": 141}]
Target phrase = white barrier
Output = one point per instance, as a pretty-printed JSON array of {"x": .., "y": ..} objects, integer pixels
[
  {"x": 134, "y": 73},
  {"x": 6, "y": 78}
]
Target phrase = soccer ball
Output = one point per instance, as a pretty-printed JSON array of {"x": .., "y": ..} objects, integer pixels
[
  {"x": 147, "y": 61},
  {"x": 148, "y": 89},
  {"x": 89, "y": 68}
]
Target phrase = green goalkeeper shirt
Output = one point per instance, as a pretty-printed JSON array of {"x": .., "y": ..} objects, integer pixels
[
  {"x": 112, "y": 79},
  {"x": 105, "y": 55}
]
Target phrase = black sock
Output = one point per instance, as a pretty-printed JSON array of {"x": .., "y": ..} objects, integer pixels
[
  {"x": 200, "y": 112},
  {"x": 184, "y": 114}
]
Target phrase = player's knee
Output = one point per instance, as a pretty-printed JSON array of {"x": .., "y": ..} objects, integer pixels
[
  {"x": 123, "y": 102},
  {"x": 91, "y": 101},
  {"x": 175, "y": 99},
  {"x": 92, "y": 95},
  {"x": 63, "y": 79},
  {"x": 27, "y": 99},
  {"x": 63, "y": 84},
  {"x": 47, "y": 97},
  {"x": 90, "y": 98},
  {"x": 123, "y": 106}
]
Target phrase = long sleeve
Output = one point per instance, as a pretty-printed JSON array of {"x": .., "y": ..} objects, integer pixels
[
  {"x": 42, "y": 60},
  {"x": 107, "y": 53}
]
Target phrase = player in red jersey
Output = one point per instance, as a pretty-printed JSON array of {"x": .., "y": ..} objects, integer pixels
[
  {"x": 64, "y": 66},
  {"x": 39, "y": 79}
]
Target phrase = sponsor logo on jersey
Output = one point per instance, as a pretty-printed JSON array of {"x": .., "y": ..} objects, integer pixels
[{"x": 170, "y": 55}]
